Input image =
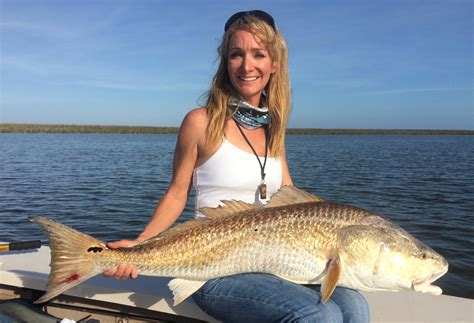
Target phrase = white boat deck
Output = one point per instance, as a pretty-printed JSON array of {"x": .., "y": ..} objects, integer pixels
[{"x": 30, "y": 269}]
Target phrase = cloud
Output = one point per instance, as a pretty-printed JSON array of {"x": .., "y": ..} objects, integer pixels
[
  {"x": 416, "y": 90},
  {"x": 146, "y": 85},
  {"x": 49, "y": 31}
]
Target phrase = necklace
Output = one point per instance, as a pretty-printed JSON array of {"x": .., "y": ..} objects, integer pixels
[{"x": 262, "y": 188}]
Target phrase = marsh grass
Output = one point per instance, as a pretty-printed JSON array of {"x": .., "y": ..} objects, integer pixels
[{"x": 58, "y": 128}]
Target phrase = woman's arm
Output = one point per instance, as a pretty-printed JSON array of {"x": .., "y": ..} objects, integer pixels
[
  {"x": 286, "y": 177},
  {"x": 191, "y": 134},
  {"x": 186, "y": 153}
]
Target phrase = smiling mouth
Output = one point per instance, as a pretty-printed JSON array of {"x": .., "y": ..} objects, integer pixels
[{"x": 248, "y": 79}]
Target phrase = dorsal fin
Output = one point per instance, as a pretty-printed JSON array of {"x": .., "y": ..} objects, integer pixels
[
  {"x": 285, "y": 196},
  {"x": 291, "y": 195},
  {"x": 229, "y": 207}
]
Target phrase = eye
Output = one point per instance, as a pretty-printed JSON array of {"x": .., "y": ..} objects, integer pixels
[
  {"x": 260, "y": 55},
  {"x": 424, "y": 255},
  {"x": 234, "y": 55}
]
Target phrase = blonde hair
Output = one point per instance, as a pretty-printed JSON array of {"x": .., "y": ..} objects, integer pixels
[{"x": 277, "y": 88}]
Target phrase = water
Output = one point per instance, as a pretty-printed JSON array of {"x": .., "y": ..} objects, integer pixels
[{"x": 108, "y": 185}]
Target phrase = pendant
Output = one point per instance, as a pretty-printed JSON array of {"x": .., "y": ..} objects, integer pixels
[{"x": 263, "y": 190}]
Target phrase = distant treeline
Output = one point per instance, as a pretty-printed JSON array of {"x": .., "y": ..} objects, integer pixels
[
  {"x": 315, "y": 131},
  {"x": 44, "y": 128},
  {"x": 61, "y": 128}
]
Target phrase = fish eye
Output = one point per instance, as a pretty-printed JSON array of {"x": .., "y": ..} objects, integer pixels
[{"x": 424, "y": 255}]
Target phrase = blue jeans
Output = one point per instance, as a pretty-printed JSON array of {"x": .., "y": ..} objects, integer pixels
[{"x": 267, "y": 298}]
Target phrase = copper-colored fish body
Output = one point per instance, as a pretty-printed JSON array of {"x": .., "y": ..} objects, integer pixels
[
  {"x": 295, "y": 236},
  {"x": 200, "y": 250}
]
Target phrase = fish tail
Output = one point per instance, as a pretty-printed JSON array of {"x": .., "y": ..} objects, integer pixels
[{"x": 72, "y": 260}]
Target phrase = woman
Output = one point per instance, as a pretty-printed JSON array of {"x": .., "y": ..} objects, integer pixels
[{"x": 233, "y": 148}]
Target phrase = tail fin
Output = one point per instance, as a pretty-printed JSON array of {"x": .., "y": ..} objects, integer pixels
[{"x": 72, "y": 261}]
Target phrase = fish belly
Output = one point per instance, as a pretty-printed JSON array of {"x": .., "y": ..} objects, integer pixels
[{"x": 298, "y": 265}]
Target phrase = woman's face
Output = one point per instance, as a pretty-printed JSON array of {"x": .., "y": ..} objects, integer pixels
[{"x": 249, "y": 65}]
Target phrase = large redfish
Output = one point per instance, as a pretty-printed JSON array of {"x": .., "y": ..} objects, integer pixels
[{"x": 295, "y": 236}]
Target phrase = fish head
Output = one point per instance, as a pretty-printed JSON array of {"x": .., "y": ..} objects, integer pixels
[{"x": 386, "y": 257}]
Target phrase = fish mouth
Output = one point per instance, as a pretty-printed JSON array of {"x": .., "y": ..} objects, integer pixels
[{"x": 424, "y": 284}]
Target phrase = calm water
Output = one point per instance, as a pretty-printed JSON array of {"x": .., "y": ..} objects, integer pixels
[{"x": 107, "y": 185}]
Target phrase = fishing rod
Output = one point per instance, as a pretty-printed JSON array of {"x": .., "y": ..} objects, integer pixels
[{"x": 22, "y": 245}]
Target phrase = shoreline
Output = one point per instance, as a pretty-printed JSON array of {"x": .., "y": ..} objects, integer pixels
[{"x": 101, "y": 129}]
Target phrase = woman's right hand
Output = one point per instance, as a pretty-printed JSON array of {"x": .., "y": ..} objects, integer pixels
[{"x": 123, "y": 271}]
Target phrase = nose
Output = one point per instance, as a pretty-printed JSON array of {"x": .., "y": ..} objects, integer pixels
[{"x": 247, "y": 64}]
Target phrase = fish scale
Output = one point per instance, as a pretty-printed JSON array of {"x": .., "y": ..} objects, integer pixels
[{"x": 295, "y": 236}]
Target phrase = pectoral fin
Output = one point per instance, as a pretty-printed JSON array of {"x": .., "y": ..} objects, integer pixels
[
  {"x": 183, "y": 288},
  {"x": 429, "y": 289},
  {"x": 331, "y": 278}
]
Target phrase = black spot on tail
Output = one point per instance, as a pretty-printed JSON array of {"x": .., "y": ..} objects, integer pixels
[{"x": 95, "y": 249}]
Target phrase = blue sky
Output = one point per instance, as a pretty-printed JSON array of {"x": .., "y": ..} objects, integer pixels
[{"x": 402, "y": 64}]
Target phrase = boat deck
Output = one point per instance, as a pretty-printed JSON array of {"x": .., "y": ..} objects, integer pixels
[{"x": 30, "y": 269}]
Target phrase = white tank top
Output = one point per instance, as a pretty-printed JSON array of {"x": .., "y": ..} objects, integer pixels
[{"x": 233, "y": 174}]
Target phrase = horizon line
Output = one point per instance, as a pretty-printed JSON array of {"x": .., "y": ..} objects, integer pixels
[{"x": 96, "y": 128}]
